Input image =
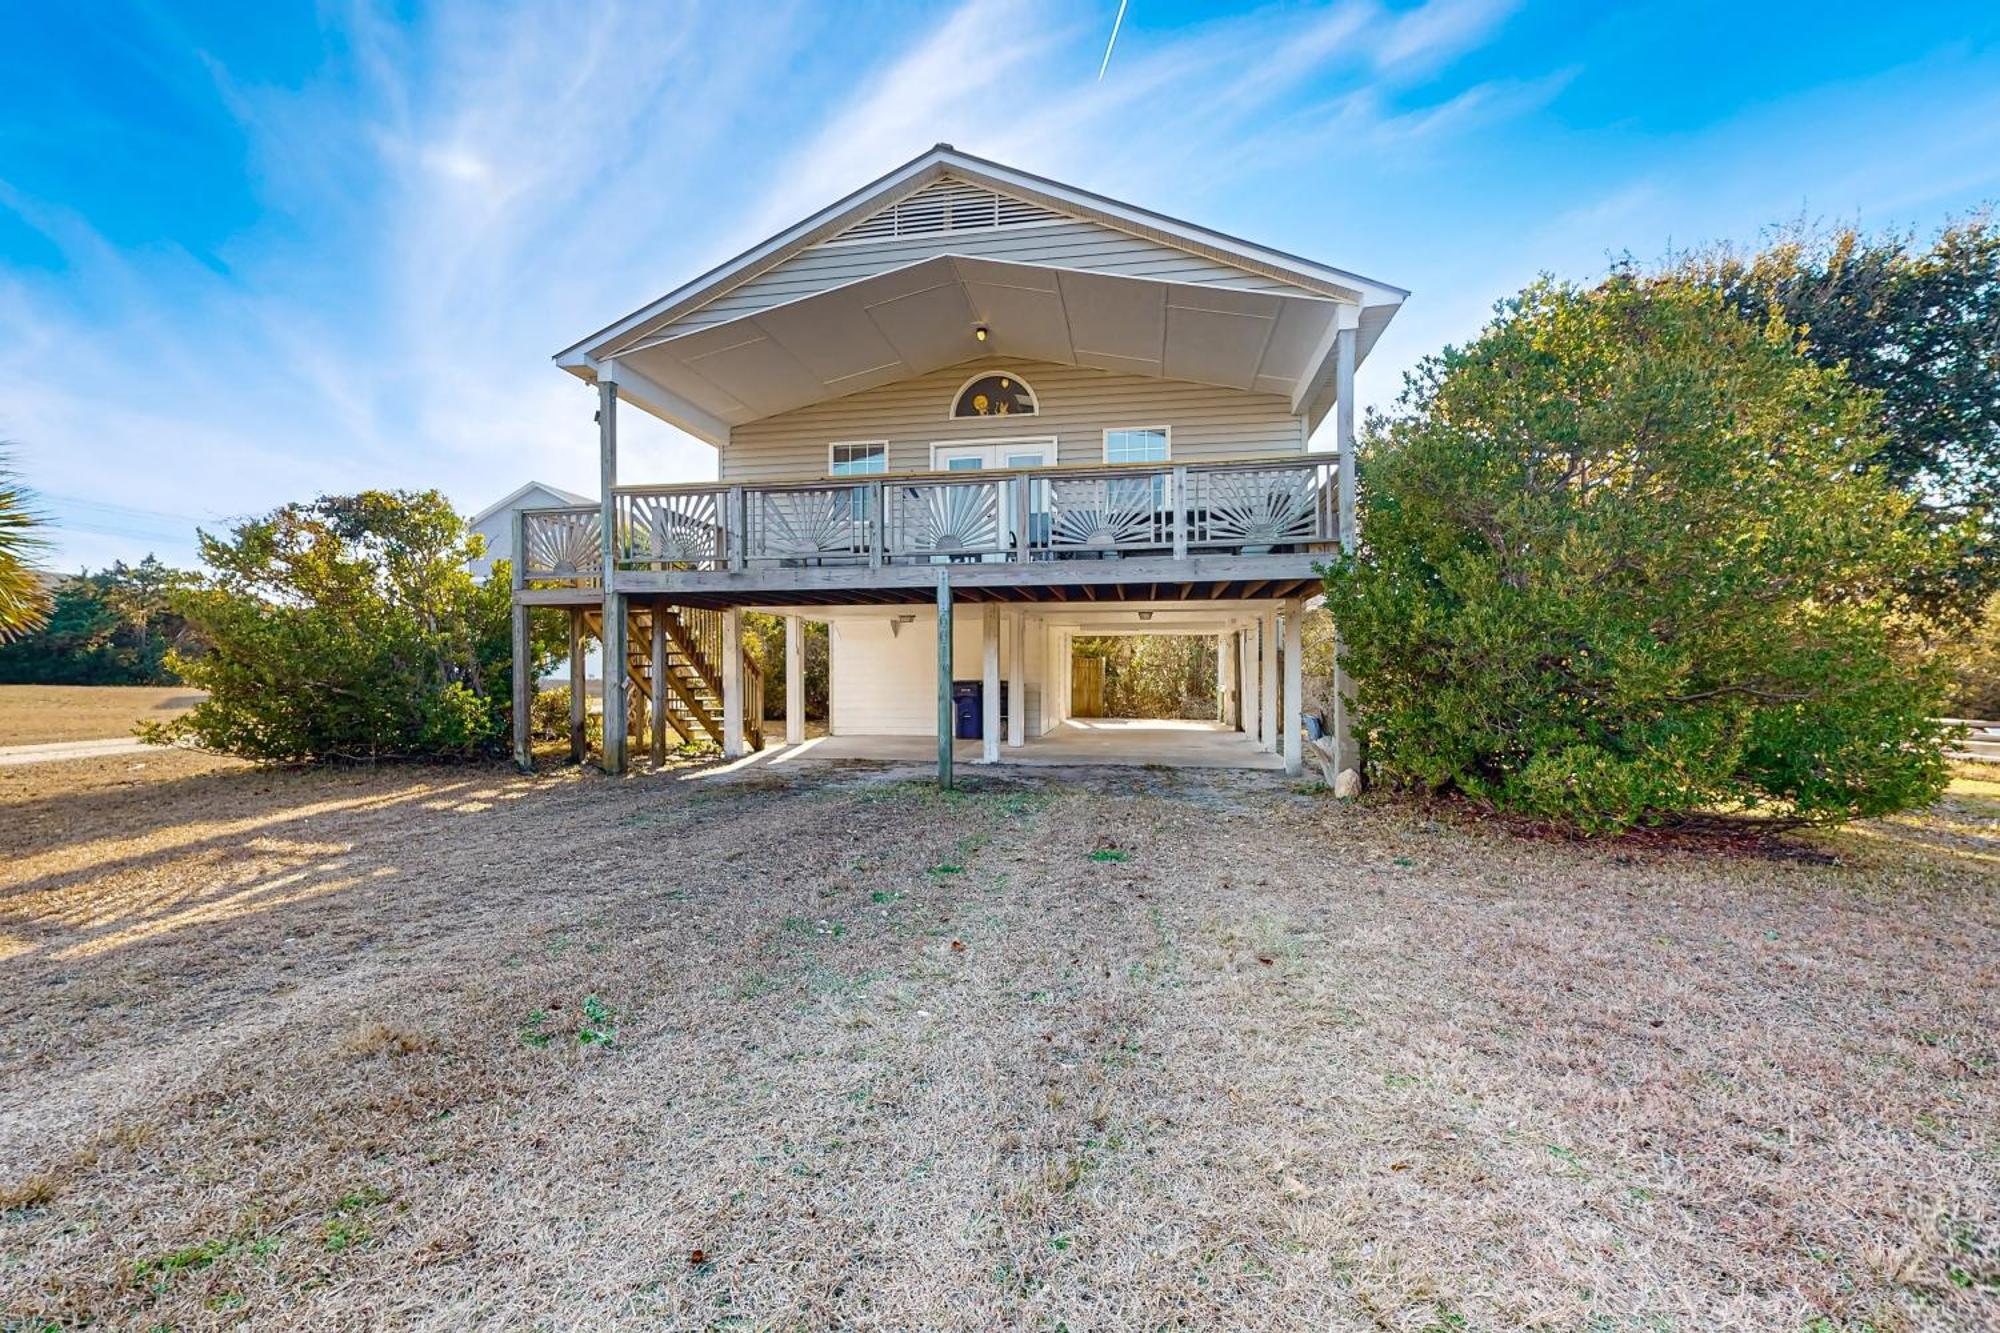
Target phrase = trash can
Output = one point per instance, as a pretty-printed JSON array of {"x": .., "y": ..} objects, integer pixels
[
  {"x": 968, "y": 698},
  {"x": 968, "y": 708}
]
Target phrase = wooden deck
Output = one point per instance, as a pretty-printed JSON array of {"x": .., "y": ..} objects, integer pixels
[{"x": 1147, "y": 532}]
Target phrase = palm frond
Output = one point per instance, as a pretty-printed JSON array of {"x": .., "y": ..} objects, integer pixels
[{"x": 24, "y": 595}]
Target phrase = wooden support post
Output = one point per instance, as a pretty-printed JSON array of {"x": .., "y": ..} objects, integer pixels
[
  {"x": 1253, "y": 691},
  {"x": 616, "y": 656},
  {"x": 524, "y": 748},
  {"x": 989, "y": 719},
  {"x": 579, "y": 685},
  {"x": 944, "y": 674},
  {"x": 1295, "y": 702},
  {"x": 1017, "y": 680},
  {"x": 1343, "y": 432},
  {"x": 732, "y": 683},
  {"x": 1267, "y": 674},
  {"x": 1225, "y": 681},
  {"x": 612, "y": 618},
  {"x": 795, "y": 681},
  {"x": 658, "y": 680}
]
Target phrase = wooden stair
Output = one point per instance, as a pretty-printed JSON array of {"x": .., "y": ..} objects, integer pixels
[{"x": 693, "y": 643}]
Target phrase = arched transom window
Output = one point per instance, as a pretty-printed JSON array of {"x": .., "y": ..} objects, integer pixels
[{"x": 996, "y": 395}]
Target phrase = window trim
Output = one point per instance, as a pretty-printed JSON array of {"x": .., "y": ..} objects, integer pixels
[
  {"x": 951, "y": 404},
  {"x": 883, "y": 445},
  {"x": 1104, "y": 453}
]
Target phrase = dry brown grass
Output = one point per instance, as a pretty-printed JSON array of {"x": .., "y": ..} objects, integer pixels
[
  {"x": 42, "y": 714},
  {"x": 451, "y": 1048}
]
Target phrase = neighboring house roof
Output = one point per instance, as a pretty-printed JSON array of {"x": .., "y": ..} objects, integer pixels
[
  {"x": 514, "y": 497},
  {"x": 1269, "y": 287}
]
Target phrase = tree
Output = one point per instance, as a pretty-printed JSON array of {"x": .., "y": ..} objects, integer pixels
[
  {"x": 1626, "y": 559},
  {"x": 23, "y": 594},
  {"x": 1155, "y": 675},
  {"x": 114, "y": 627},
  {"x": 348, "y": 629},
  {"x": 1920, "y": 327}
]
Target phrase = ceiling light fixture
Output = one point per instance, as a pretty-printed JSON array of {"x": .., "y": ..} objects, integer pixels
[{"x": 979, "y": 332}]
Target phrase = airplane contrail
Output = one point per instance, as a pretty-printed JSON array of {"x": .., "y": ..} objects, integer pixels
[{"x": 1116, "y": 24}]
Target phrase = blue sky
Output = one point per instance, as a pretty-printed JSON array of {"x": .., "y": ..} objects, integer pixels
[{"x": 252, "y": 253}]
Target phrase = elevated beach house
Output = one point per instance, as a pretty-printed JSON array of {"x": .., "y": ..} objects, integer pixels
[{"x": 965, "y": 416}]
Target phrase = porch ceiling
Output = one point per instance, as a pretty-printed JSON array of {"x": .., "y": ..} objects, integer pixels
[{"x": 920, "y": 318}]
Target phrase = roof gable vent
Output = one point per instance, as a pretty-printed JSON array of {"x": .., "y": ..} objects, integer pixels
[{"x": 947, "y": 205}]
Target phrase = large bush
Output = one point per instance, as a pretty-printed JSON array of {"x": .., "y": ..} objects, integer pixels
[
  {"x": 1625, "y": 560},
  {"x": 347, "y": 629}
]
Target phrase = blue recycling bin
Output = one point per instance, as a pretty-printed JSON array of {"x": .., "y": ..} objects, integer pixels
[
  {"x": 968, "y": 708},
  {"x": 968, "y": 698}
]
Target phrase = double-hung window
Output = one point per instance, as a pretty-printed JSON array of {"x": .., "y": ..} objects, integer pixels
[
  {"x": 1140, "y": 444},
  {"x": 857, "y": 458}
]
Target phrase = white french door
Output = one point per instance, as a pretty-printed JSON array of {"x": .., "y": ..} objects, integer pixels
[{"x": 947, "y": 457}]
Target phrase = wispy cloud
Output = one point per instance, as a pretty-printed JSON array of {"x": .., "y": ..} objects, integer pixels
[{"x": 445, "y": 196}]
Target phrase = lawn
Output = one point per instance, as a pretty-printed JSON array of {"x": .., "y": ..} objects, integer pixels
[
  {"x": 821, "y": 1048},
  {"x": 41, "y": 714}
]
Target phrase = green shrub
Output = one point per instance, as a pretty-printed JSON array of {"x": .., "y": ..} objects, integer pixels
[
  {"x": 348, "y": 628},
  {"x": 1624, "y": 560}
]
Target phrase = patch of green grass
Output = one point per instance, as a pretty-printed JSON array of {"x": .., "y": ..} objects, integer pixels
[
  {"x": 1567, "y": 1156},
  {"x": 600, "y": 1023},
  {"x": 344, "y": 1233},
  {"x": 191, "y": 1259},
  {"x": 531, "y": 1028},
  {"x": 946, "y": 868},
  {"x": 1110, "y": 854}
]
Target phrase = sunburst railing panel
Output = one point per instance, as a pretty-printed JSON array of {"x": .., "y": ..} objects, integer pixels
[
  {"x": 1257, "y": 509},
  {"x": 820, "y": 524},
  {"x": 677, "y": 529},
  {"x": 1107, "y": 514},
  {"x": 564, "y": 546},
  {"x": 947, "y": 519}
]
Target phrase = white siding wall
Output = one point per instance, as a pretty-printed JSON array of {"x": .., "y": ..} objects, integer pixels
[
  {"x": 1071, "y": 244},
  {"x": 885, "y": 684},
  {"x": 1076, "y": 405}
]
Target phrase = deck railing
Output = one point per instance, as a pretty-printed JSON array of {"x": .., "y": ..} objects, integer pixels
[
  {"x": 563, "y": 546},
  {"x": 1124, "y": 511}
]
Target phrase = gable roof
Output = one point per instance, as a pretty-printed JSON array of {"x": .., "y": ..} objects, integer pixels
[
  {"x": 522, "y": 492},
  {"x": 944, "y": 161}
]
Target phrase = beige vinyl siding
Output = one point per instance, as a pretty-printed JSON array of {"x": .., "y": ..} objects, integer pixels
[
  {"x": 1077, "y": 405},
  {"x": 1069, "y": 244}
]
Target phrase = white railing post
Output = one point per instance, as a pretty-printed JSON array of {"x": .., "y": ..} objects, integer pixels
[
  {"x": 733, "y": 536},
  {"x": 1177, "y": 493},
  {"x": 1020, "y": 488},
  {"x": 878, "y": 526}
]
